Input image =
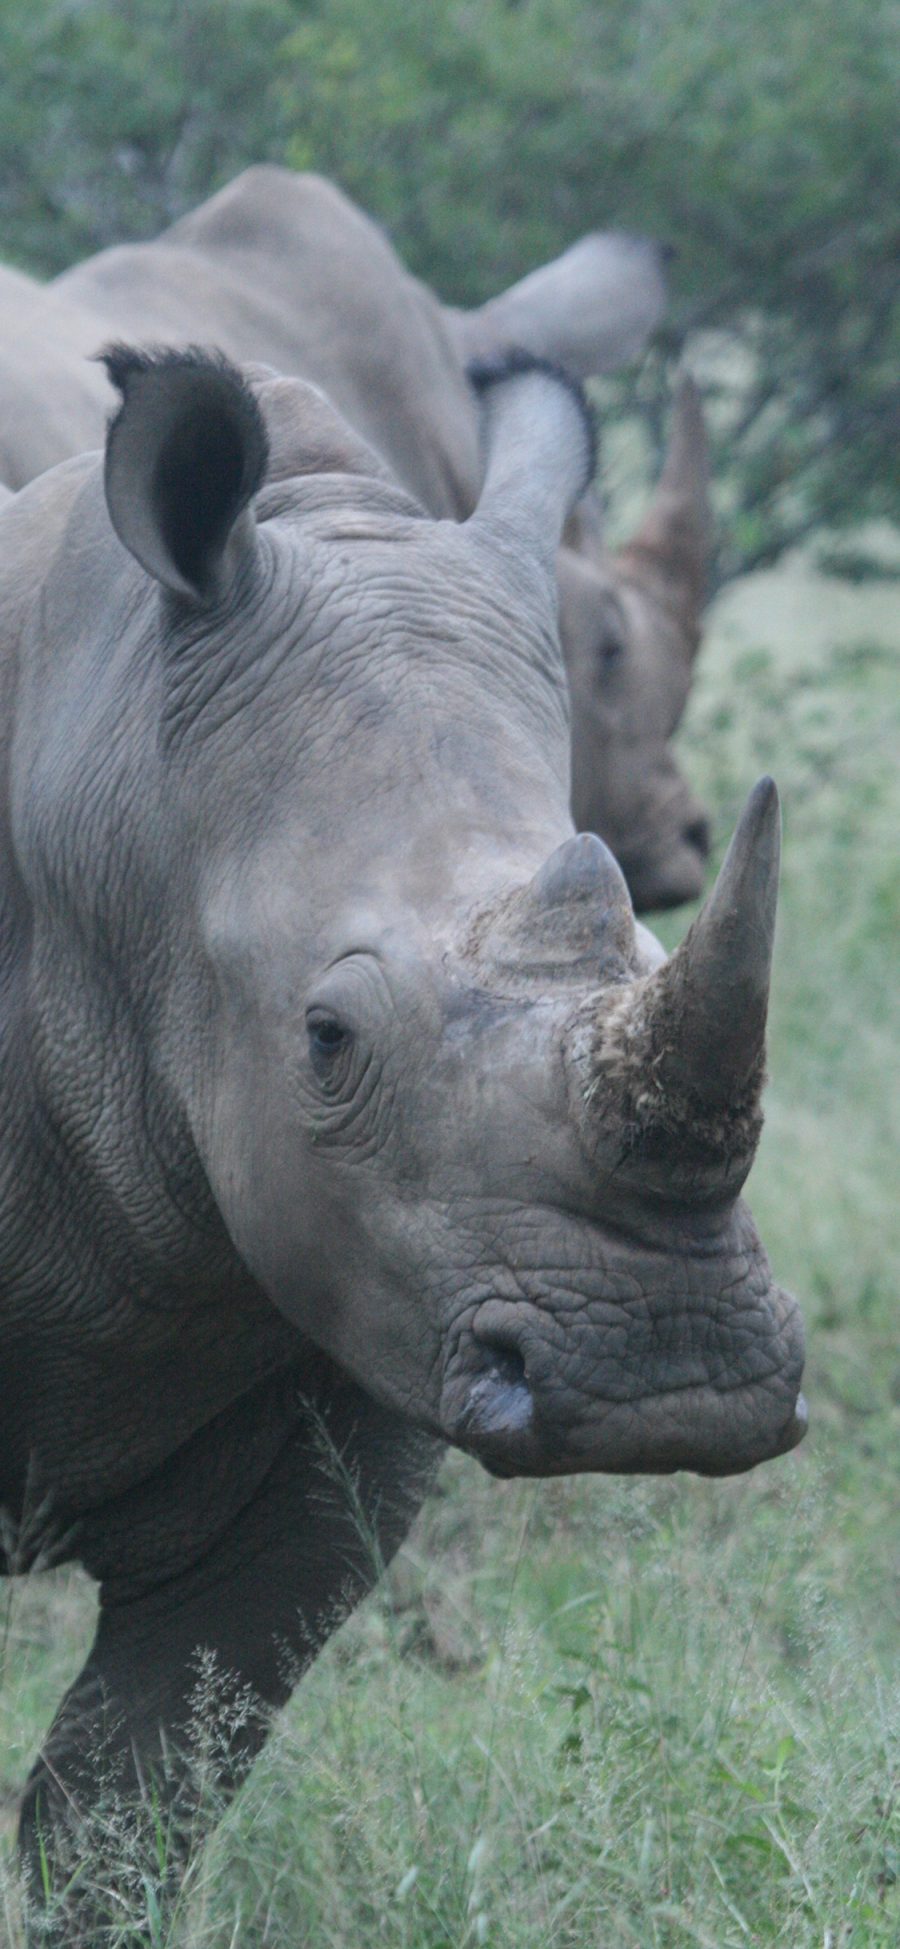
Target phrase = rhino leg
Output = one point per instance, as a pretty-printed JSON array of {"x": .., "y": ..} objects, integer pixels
[{"x": 176, "y": 1696}]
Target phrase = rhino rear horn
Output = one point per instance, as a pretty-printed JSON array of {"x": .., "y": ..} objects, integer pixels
[
  {"x": 540, "y": 449},
  {"x": 572, "y": 918},
  {"x": 185, "y": 455},
  {"x": 669, "y": 556}
]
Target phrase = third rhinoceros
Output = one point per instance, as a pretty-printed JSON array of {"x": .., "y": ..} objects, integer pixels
[
  {"x": 283, "y": 268},
  {"x": 341, "y": 1089},
  {"x": 54, "y": 401}
]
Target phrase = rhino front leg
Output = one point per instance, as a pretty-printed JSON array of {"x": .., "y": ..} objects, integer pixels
[{"x": 177, "y": 1694}]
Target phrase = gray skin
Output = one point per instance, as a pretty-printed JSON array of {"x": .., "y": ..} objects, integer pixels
[
  {"x": 344, "y": 1099},
  {"x": 54, "y": 402},
  {"x": 282, "y": 268}
]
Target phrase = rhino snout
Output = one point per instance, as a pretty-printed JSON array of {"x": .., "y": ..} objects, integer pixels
[
  {"x": 669, "y": 868},
  {"x": 527, "y": 1400}
]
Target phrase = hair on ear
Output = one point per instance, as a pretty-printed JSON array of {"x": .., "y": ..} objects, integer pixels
[
  {"x": 513, "y": 363},
  {"x": 190, "y": 439},
  {"x": 125, "y": 363}
]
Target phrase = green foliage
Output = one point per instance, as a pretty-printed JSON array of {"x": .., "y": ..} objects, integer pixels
[
  {"x": 758, "y": 141},
  {"x": 118, "y": 115}
]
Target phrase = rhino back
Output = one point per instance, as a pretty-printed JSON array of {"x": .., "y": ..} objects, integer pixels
[
  {"x": 54, "y": 401},
  {"x": 284, "y": 269}
]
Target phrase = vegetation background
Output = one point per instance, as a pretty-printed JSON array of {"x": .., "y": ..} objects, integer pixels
[
  {"x": 759, "y": 142},
  {"x": 602, "y": 1713}
]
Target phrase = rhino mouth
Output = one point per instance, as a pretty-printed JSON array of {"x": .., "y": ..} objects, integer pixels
[
  {"x": 671, "y": 881},
  {"x": 508, "y": 1400}
]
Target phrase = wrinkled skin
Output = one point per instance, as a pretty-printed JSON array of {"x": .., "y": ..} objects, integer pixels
[
  {"x": 343, "y": 1100},
  {"x": 283, "y": 268}
]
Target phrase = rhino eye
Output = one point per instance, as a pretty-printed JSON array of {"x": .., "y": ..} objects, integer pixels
[
  {"x": 329, "y": 1039},
  {"x": 612, "y": 650}
]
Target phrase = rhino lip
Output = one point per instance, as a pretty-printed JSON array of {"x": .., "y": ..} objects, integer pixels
[
  {"x": 495, "y": 1407},
  {"x": 654, "y": 890},
  {"x": 796, "y": 1427},
  {"x": 790, "y": 1437}
]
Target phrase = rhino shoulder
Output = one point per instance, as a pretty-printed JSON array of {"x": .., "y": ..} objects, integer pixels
[{"x": 268, "y": 208}]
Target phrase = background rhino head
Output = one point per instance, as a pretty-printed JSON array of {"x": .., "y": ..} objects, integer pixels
[{"x": 630, "y": 629}]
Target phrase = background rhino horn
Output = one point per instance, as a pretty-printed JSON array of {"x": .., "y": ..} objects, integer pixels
[
  {"x": 540, "y": 449},
  {"x": 709, "y": 1002},
  {"x": 670, "y": 554}
]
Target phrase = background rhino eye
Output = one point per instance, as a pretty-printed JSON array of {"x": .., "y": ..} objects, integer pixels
[
  {"x": 328, "y": 1039},
  {"x": 612, "y": 650}
]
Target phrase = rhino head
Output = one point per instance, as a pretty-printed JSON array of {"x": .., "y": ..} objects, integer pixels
[
  {"x": 466, "y": 1127},
  {"x": 630, "y": 626}
]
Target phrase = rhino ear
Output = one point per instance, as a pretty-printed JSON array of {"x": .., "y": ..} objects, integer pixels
[
  {"x": 591, "y": 309},
  {"x": 540, "y": 449},
  {"x": 185, "y": 455}
]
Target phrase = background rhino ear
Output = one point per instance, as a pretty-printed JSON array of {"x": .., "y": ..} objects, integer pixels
[
  {"x": 185, "y": 455},
  {"x": 540, "y": 449},
  {"x": 590, "y": 310}
]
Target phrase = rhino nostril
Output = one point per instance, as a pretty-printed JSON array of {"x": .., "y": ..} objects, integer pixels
[
  {"x": 697, "y": 834},
  {"x": 506, "y": 1361},
  {"x": 499, "y": 1401}
]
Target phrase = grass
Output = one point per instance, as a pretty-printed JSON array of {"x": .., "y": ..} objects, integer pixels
[{"x": 637, "y": 1715}]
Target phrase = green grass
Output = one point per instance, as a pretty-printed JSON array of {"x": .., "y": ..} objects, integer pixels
[{"x": 648, "y": 1714}]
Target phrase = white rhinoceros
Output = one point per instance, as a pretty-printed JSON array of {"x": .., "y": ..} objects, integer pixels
[
  {"x": 283, "y": 268},
  {"x": 343, "y": 1097}
]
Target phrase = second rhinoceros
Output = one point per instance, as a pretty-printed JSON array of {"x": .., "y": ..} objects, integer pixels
[
  {"x": 283, "y": 268},
  {"x": 341, "y": 1090}
]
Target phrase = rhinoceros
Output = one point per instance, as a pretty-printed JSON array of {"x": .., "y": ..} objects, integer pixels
[
  {"x": 342, "y": 1090},
  {"x": 283, "y": 268},
  {"x": 53, "y": 402}
]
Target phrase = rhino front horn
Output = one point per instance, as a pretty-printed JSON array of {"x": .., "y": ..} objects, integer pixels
[{"x": 708, "y": 1004}]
